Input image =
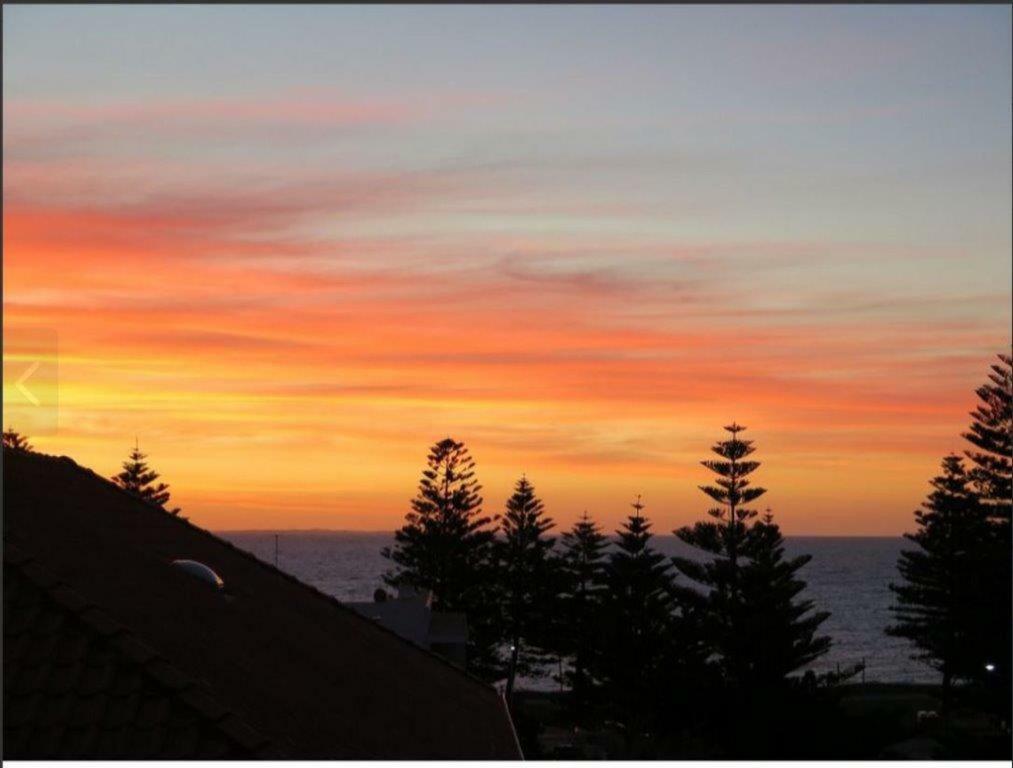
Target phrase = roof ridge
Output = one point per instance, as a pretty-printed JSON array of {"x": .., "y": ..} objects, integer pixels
[
  {"x": 250, "y": 556},
  {"x": 189, "y": 690}
]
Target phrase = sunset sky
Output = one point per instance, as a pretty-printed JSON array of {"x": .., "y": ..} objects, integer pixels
[{"x": 289, "y": 248}]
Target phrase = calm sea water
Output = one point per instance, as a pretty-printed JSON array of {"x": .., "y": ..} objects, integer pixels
[{"x": 847, "y": 576}]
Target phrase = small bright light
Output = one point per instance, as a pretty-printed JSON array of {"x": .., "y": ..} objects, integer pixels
[{"x": 990, "y": 667}]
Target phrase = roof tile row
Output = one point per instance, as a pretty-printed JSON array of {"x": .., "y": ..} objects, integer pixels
[{"x": 78, "y": 684}]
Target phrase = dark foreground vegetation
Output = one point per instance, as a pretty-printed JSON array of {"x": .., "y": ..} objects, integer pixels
[{"x": 862, "y": 721}]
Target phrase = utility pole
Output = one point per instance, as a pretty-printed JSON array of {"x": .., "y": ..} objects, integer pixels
[{"x": 276, "y": 550}]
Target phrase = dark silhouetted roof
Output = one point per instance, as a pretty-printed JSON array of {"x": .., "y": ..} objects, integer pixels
[
  {"x": 110, "y": 651},
  {"x": 79, "y": 685}
]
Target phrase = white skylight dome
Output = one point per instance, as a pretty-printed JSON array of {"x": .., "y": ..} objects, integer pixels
[{"x": 201, "y": 571}]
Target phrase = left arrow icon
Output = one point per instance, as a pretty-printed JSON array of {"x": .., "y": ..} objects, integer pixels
[{"x": 20, "y": 383}]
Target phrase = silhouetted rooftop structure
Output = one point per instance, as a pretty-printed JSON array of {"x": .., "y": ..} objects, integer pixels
[
  {"x": 410, "y": 615},
  {"x": 111, "y": 651}
]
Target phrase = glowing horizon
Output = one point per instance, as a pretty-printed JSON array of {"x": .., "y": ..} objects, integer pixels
[{"x": 291, "y": 249}]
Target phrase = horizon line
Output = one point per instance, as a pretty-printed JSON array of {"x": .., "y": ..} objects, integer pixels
[{"x": 279, "y": 531}]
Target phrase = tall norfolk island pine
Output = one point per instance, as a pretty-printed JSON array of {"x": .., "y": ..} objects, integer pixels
[
  {"x": 781, "y": 628},
  {"x": 582, "y": 564},
  {"x": 753, "y": 622},
  {"x": 991, "y": 475},
  {"x": 638, "y": 615},
  {"x": 941, "y": 597},
  {"x": 724, "y": 538},
  {"x": 445, "y": 545},
  {"x": 138, "y": 479},
  {"x": 526, "y": 579}
]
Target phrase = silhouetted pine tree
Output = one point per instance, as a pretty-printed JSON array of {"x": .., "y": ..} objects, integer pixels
[
  {"x": 638, "y": 613},
  {"x": 582, "y": 562},
  {"x": 753, "y": 618},
  {"x": 991, "y": 433},
  {"x": 446, "y": 546},
  {"x": 138, "y": 479},
  {"x": 940, "y": 597},
  {"x": 780, "y": 627},
  {"x": 15, "y": 440},
  {"x": 991, "y": 475},
  {"x": 526, "y": 580},
  {"x": 724, "y": 538}
]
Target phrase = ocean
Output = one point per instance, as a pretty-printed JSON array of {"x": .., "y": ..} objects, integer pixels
[{"x": 847, "y": 576}]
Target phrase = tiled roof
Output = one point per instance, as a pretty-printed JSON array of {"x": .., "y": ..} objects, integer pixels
[
  {"x": 79, "y": 685},
  {"x": 314, "y": 678}
]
